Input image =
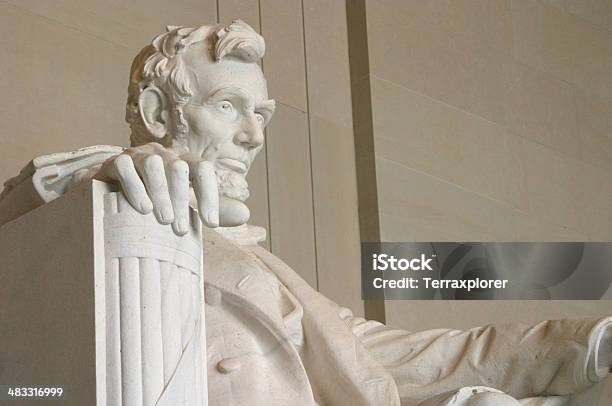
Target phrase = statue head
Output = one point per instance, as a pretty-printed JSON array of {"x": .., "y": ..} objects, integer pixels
[{"x": 200, "y": 91}]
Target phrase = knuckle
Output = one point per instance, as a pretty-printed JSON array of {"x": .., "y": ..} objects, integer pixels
[
  {"x": 122, "y": 162},
  {"x": 179, "y": 167},
  {"x": 153, "y": 162},
  {"x": 156, "y": 146}
]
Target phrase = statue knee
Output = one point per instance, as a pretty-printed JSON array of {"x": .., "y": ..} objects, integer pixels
[{"x": 491, "y": 399}]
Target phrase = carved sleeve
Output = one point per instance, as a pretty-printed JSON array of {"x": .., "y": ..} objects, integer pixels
[
  {"x": 549, "y": 358},
  {"x": 47, "y": 177},
  {"x": 53, "y": 174}
]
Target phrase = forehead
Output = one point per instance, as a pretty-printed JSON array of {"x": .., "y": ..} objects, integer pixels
[{"x": 207, "y": 76}]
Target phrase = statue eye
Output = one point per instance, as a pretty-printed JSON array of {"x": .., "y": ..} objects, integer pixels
[
  {"x": 225, "y": 106},
  {"x": 260, "y": 118}
]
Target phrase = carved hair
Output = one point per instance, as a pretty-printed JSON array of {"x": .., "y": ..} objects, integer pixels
[{"x": 161, "y": 64}]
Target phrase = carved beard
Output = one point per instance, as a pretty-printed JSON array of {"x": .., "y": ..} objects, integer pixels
[{"x": 232, "y": 185}]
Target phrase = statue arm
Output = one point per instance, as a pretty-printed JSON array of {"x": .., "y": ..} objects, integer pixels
[
  {"x": 47, "y": 177},
  {"x": 549, "y": 358}
]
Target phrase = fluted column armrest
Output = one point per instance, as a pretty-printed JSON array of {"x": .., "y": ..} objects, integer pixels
[{"x": 104, "y": 301}]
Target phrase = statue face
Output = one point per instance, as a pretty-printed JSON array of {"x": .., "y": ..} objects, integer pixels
[{"x": 226, "y": 117}]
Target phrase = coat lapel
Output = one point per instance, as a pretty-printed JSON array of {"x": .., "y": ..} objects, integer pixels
[
  {"x": 341, "y": 370},
  {"x": 230, "y": 269},
  {"x": 233, "y": 274}
]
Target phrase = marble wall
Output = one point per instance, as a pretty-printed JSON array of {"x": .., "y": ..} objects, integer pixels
[{"x": 491, "y": 121}]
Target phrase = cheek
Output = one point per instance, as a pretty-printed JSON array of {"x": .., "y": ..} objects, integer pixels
[
  {"x": 205, "y": 130},
  {"x": 200, "y": 123}
]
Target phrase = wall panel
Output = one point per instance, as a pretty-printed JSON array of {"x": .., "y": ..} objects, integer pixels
[
  {"x": 291, "y": 208},
  {"x": 332, "y": 152}
]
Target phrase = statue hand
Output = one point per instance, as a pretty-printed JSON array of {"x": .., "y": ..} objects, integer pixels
[{"x": 155, "y": 178}]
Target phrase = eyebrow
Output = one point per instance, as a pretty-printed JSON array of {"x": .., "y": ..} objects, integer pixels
[
  {"x": 222, "y": 92},
  {"x": 266, "y": 105},
  {"x": 234, "y": 91}
]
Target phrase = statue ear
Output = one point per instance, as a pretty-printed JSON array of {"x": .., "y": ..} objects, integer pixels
[{"x": 152, "y": 106}]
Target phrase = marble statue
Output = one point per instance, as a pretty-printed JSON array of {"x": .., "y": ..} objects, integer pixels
[{"x": 197, "y": 107}]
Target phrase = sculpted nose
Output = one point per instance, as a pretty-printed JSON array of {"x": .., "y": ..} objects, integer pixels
[{"x": 251, "y": 134}]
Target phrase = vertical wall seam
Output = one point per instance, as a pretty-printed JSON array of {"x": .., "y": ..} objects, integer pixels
[
  {"x": 312, "y": 192},
  {"x": 363, "y": 130},
  {"x": 269, "y": 233}
]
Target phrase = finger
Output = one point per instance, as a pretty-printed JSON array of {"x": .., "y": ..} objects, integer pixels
[
  {"x": 178, "y": 183},
  {"x": 154, "y": 176},
  {"x": 133, "y": 188},
  {"x": 207, "y": 193}
]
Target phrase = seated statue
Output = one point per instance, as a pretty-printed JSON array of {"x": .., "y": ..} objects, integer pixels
[{"x": 197, "y": 107}]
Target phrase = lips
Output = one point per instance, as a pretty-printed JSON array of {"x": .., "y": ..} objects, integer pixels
[{"x": 233, "y": 164}]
